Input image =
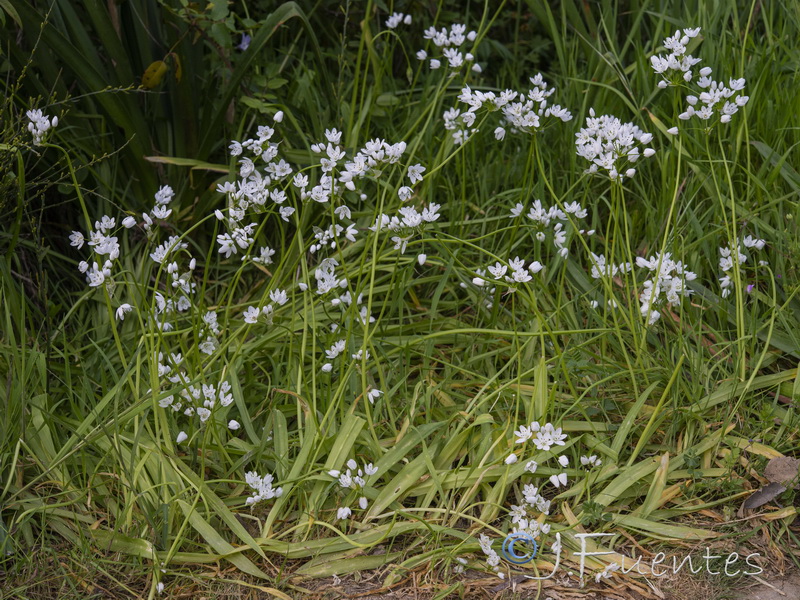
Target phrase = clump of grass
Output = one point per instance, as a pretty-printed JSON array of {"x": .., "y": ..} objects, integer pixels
[{"x": 460, "y": 311}]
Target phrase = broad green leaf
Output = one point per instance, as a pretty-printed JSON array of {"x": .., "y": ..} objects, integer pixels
[{"x": 218, "y": 543}]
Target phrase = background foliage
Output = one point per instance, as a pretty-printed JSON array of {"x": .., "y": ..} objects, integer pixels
[{"x": 150, "y": 92}]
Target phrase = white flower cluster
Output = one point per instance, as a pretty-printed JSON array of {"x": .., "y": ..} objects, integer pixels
[
  {"x": 338, "y": 180},
  {"x": 332, "y": 353},
  {"x": 254, "y": 189},
  {"x": 670, "y": 280},
  {"x": 591, "y": 461},
  {"x": 726, "y": 259},
  {"x": 252, "y": 314},
  {"x": 344, "y": 301},
  {"x": 612, "y": 145},
  {"x": 450, "y": 42},
  {"x": 555, "y": 217},
  {"x": 518, "y": 272},
  {"x": 396, "y": 18},
  {"x": 193, "y": 400},
  {"x": 713, "y": 99},
  {"x": 492, "y": 558},
  {"x": 676, "y": 66},
  {"x": 601, "y": 269},
  {"x": 106, "y": 249},
  {"x": 326, "y": 277},
  {"x": 262, "y": 486},
  {"x": 39, "y": 124},
  {"x": 544, "y": 436},
  {"x": 327, "y": 237},
  {"x": 265, "y": 254},
  {"x": 338, "y": 176},
  {"x": 353, "y": 479},
  {"x": 208, "y": 333},
  {"x": 406, "y": 223},
  {"x": 481, "y": 282},
  {"x": 366, "y": 162},
  {"x": 528, "y": 517},
  {"x": 531, "y": 113}
]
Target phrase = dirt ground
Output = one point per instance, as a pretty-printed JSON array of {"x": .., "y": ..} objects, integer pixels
[{"x": 780, "y": 588}]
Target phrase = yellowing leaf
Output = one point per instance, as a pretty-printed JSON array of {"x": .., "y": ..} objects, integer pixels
[
  {"x": 154, "y": 74},
  {"x": 177, "y": 69}
]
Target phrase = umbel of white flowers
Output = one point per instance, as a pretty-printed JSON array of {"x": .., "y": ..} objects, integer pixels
[
  {"x": 39, "y": 124},
  {"x": 713, "y": 100}
]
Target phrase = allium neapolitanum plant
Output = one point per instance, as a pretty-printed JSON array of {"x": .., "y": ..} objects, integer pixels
[{"x": 288, "y": 375}]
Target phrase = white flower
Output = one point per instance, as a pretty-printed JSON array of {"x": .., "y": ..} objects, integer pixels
[
  {"x": 421, "y": 259},
  {"x": 76, "y": 239},
  {"x": 535, "y": 266},
  {"x": 559, "y": 480},
  {"x": 405, "y": 193},
  {"x": 265, "y": 256},
  {"x": 497, "y": 270},
  {"x": 563, "y": 460},
  {"x": 609, "y": 144},
  {"x": 233, "y": 425},
  {"x": 128, "y": 222},
  {"x": 523, "y": 434},
  {"x": 164, "y": 195},
  {"x": 511, "y": 459},
  {"x": 362, "y": 502},
  {"x": 499, "y": 134},
  {"x": 394, "y": 20},
  {"x": 123, "y": 310},
  {"x": 279, "y": 297},
  {"x": 574, "y": 208},
  {"x": 415, "y": 173},
  {"x": 161, "y": 212},
  {"x": 336, "y": 349},
  {"x": 531, "y": 466},
  {"x": 548, "y": 436},
  {"x": 333, "y": 135},
  {"x": 343, "y": 512},
  {"x": 592, "y": 461},
  {"x": 262, "y": 486},
  {"x": 373, "y": 395},
  {"x": 251, "y": 315},
  {"x": 182, "y": 437},
  {"x": 517, "y": 210},
  {"x": 39, "y": 124},
  {"x": 278, "y": 116}
]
